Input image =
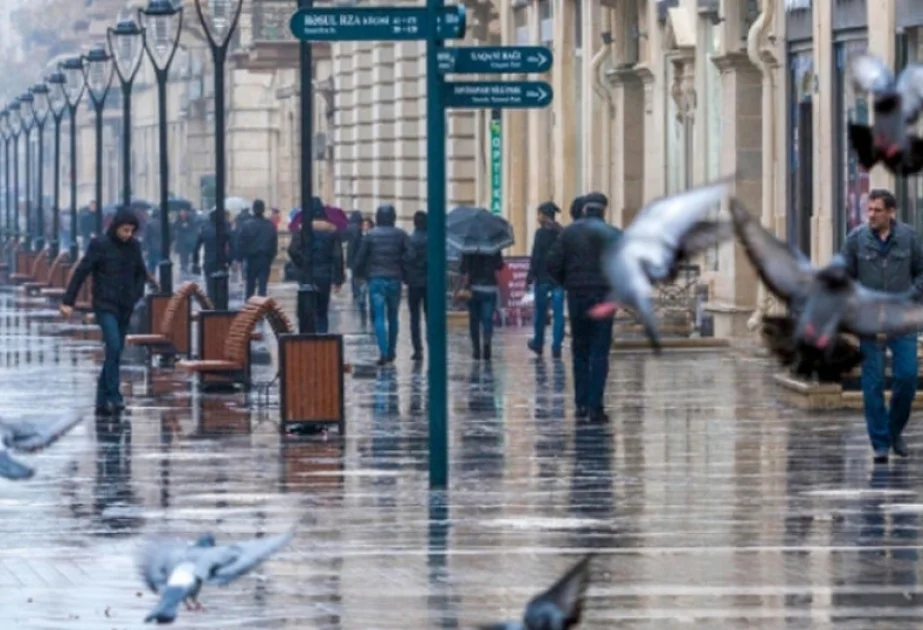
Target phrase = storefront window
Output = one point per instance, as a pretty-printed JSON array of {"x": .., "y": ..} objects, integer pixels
[
  {"x": 713, "y": 134},
  {"x": 800, "y": 185},
  {"x": 910, "y": 189},
  {"x": 851, "y": 180}
]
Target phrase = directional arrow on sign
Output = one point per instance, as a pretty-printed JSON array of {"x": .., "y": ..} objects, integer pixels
[
  {"x": 500, "y": 94},
  {"x": 495, "y": 59}
]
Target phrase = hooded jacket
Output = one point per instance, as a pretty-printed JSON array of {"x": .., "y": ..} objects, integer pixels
[
  {"x": 415, "y": 258},
  {"x": 257, "y": 238},
  {"x": 383, "y": 252},
  {"x": 575, "y": 259},
  {"x": 327, "y": 251},
  {"x": 117, "y": 268}
]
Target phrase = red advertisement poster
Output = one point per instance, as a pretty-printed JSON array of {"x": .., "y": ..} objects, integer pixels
[{"x": 512, "y": 283}]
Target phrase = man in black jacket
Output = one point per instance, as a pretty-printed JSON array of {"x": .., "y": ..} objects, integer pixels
[
  {"x": 208, "y": 241},
  {"x": 415, "y": 277},
  {"x": 545, "y": 289},
  {"x": 258, "y": 244},
  {"x": 352, "y": 236},
  {"x": 575, "y": 262},
  {"x": 382, "y": 256},
  {"x": 326, "y": 259},
  {"x": 116, "y": 265}
]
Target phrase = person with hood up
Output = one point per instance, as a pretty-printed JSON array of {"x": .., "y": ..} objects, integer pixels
[
  {"x": 327, "y": 262},
  {"x": 116, "y": 265},
  {"x": 258, "y": 244},
  {"x": 545, "y": 288},
  {"x": 381, "y": 261},
  {"x": 352, "y": 236},
  {"x": 415, "y": 277}
]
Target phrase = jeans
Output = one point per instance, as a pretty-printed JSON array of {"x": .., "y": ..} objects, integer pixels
[
  {"x": 416, "y": 298},
  {"x": 886, "y": 424},
  {"x": 481, "y": 309},
  {"x": 356, "y": 285},
  {"x": 545, "y": 293},
  {"x": 322, "y": 310},
  {"x": 591, "y": 341},
  {"x": 258, "y": 268},
  {"x": 184, "y": 261},
  {"x": 385, "y": 294},
  {"x": 114, "y": 327}
]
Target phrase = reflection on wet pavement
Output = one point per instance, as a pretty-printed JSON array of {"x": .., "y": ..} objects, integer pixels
[{"x": 706, "y": 501}]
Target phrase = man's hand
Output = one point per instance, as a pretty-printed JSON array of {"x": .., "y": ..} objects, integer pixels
[
  {"x": 66, "y": 311},
  {"x": 336, "y": 288}
]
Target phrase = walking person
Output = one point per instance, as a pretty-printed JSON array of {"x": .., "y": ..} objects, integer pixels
[
  {"x": 208, "y": 241},
  {"x": 576, "y": 208},
  {"x": 364, "y": 303},
  {"x": 185, "y": 232},
  {"x": 352, "y": 236},
  {"x": 257, "y": 246},
  {"x": 116, "y": 265},
  {"x": 380, "y": 261},
  {"x": 150, "y": 239},
  {"x": 480, "y": 273},
  {"x": 885, "y": 255},
  {"x": 415, "y": 277},
  {"x": 546, "y": 291},
  {"x": 575, "y": 263},
  {"x": 327, "y": 271}
]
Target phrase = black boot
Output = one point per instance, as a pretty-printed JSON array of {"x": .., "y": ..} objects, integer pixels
[{"x": 487, "y": 351}]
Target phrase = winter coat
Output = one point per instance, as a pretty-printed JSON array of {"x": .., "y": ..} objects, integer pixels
[
  {"x": 327, "y": 258},
  {"x": 257, "y": 238},
  {"x": 545, "y": 237},
  {"x": 575, "y": 259},
  {"x": 383, "y": 251},
  {"x": 415, "y": 260}
]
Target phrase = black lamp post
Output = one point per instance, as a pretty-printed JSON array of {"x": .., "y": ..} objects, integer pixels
[
  {"x": 126, "y": 47},
  {"x": 27, "y": 121},
  {"x": 219, "y": 26},
  {"x": 57, "y": 103},
  {"x": 307, "y": 293},
  {"x": 97, "y": 72},
  {"x": 15, "y": 125},
  {"x": 74, "y": 85},
  {"x": 40, "y": 114},
  {"x": 7, "y": 135},
  {"x": 164, "y": 22}
]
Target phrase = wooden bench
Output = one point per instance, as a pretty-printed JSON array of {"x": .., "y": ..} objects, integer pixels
[
  {"x": 44, "y": 281},
  {"x": 169, "y": 321},
  {"x": 84, "y": 300},
  {"x": 30, "y": 266}
]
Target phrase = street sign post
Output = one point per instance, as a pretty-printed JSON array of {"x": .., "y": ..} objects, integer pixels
[
  {"x": 495, "y": 59},
  {"x": 358, "y": 24},
  {"x": 504, "y": 94}
]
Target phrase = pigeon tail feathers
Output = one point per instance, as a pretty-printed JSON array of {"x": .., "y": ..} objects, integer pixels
[{"x": 12, "y": 469}]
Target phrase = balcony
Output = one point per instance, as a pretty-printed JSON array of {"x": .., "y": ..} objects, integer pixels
[{"x": 272, "y": 45}]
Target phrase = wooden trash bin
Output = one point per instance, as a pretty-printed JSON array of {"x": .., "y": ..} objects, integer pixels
[{"x": 311, "y": 380}]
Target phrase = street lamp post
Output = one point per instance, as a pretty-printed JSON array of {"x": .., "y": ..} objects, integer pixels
[
  {"x": 97, "y": 72},
  {"x": 40, "y": 114},
  {"x": 74, "y": 85},
  {"x": 6, "y": 134},
  {"x": 307, "y": 293},
  {"x": 126, "y": 48},
  {"x": 219, "y": 26},
  {"x": 164, "y": 22},
  {"x": 15, "y": 124},
  {"x": 27, "y": 121},
  {"x": 57, "y": 103}
]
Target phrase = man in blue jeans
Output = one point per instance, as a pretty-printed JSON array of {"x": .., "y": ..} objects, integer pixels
[
  {"x": 884, "y": 254},
  {"x": 575, "y": 262},
  {"x": 545, "y": 289},
  {"x": 381, "y": 260},
  {"x": 116, "y": 265}
]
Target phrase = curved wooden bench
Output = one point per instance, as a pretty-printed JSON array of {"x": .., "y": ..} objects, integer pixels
[
  {"x": 37, "y": 264},
  {"x": 84, "y": 301},
  {"x": 44, "y": 282},
  {"x": 167, "y": 335}
]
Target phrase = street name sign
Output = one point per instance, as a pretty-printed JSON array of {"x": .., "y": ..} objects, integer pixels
[
  {"x": 504, "y": 94},
  {"x": 495, "y": 59},
  {"x": 362, "y": 24}
]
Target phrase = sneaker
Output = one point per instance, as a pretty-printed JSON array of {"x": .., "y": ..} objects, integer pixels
[
  {"x": 556, "y": 353},
  {"x": 537, "y": 349},
  {"x": 899, "y": 446},
  {"x": 881, "y": 456}
]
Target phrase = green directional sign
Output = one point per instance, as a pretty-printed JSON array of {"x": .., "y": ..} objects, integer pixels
[
  {"x": 498, "y": 59},
  {"x": 506, "y": 94},
  {"x": 360, "y": 24}
]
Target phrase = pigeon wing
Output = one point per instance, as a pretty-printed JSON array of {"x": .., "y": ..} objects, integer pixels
[
  {"x": 668, "y": 219},
  {"x": 910, "y": 88},
  {"x": 568, "y": 593},
  {"x": 785, "y": 273},
  {"x": 32, "y": 435},
  {"x": 862, "y": 141},
  {"x": 13, "y": 469},
  {"x": 872, "y": 74},
  {"x": 158, "y": 559},
  {"x": 222, "y": 565},
  {"x": 870, "y": 313},
  {"x": 704, "y": 234}
]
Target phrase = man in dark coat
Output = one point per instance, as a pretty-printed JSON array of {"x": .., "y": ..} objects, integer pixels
[
  {"x": 352, "y": 236},
  {"x": 185, "y": 232},
  {"x": 116, "y": 265},
  {"x": 86, "y": 223},
  {"x": 380, "y": 260},
  {"x": 150, "y": 238},
  {"x": 327, "y": 262},
  {"x": 576, "y": 208},
  {"x": 415, "y": 277},
  {"x": 545, "y": 289},
  {"x": 258, "y": 244},
  {"x": 575, "y": 262}
]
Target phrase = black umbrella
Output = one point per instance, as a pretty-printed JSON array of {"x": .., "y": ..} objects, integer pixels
[{"x": 477, "y": 231}]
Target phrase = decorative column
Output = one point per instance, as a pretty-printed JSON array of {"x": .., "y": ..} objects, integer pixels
[
  {"x": 628, "y": 144},
  {"x": 881, "y": 42},
  {"x": 364, "y": 172},
  {"x": 541, "y": 166},
  {"x": 344, "y": 129},
  {"x": 564, "y": 105},
  {"x": 822, "y": 220},
  {"x": 515, "y": 145},
  {"x": 408, "y": 123}
]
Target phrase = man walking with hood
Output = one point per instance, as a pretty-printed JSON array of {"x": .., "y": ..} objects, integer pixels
[
  {"x": 258, "y": 244},
  {"x": 545, "y": 289},
  {"x": 115, "y": 263},
  {"x": 415, "y": 277}
]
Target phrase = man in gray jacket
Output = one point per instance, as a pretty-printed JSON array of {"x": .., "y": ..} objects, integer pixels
[
  {"x": 381, "y": 260},
  {"x": 885, "y": 255}
]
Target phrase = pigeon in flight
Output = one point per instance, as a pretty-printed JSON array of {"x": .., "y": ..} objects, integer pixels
[
  {"x": 558, "y": 608},
  {"x": 28, "y": 436},
  {"x": 665, "y": 234},
  {"x": 897, "y": 104},
  {"x": 824, "y": 304},
  {"x": 177, "y": 570}
]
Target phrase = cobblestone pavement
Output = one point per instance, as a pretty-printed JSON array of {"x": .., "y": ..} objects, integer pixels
[{"x": 706, "y": 501}]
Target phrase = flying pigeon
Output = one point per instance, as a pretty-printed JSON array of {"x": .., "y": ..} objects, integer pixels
[
  {"x": 28, "y": 436},
  {"x": 665, "y": 234},
  {"x": 177, "y": 570},
  {"x": 897, "y": 105},
  {"x": 558, "y": 608},
  {"x": 824, "y": 304}
]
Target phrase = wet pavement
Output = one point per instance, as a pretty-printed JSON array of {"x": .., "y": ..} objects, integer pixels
[{"x": 705, "y": 499}]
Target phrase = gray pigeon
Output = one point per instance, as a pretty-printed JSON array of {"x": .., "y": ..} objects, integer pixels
[
  {"x": 28, "y": 436},
  {"x": 824, "y": 302},
  {"x": 177, "y": 570},
  {"x": 666, "y": 233},
  {"x": 558, "y": 608},
  {"x": 897, "y": 105}
]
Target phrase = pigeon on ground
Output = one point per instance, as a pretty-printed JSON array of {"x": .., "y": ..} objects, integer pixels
[
  {"x": 824, "y": 303},
  {"x": 177, "y": 570},
  {"x": 28, "y": 436},
  {"x": 665, "y": 234},
  {"x": 897, "y": 104},
  {"x": 558, "y": 608}
]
